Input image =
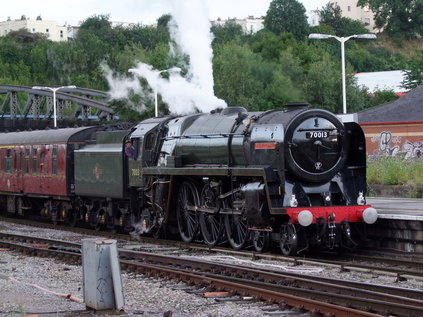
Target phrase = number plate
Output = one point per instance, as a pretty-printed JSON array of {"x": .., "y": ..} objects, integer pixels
[{"x": 317, "y": 134}]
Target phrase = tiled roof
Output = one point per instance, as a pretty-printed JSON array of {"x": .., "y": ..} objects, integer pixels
[{"x": 408, "y": 108}]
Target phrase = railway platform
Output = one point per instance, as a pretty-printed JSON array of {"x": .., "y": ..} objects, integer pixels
[
  {"x": 397, "y": 208},
  {"x": 399, "y": 225}
]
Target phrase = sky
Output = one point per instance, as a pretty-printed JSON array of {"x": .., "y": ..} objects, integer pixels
[{"x": 73, "y": 12}]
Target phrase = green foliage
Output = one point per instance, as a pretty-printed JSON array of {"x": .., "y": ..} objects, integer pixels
[
  {"x": 129, "y": 114},
  {"x": 268, "y": 44},
  {"x": 97, "y": 25},
  {"x": 397, "y": 17},
  {"x": 363, "y": 61},
  {"x": 323, "y": 29},
  {"x": 395, "y": 171},
  {"x": 331, "y": 15},
  {"x": 164, "y": 20},
  {"x": 245, "y": 78},
  {"x": 260, "y": 71},
  {"x": 24, "y": 36},
  {"x": 381, "y": 97},
  {"x": 323, "y": 84},
  {"x": 226, "y": 33},
  {"x": 147, "y": 36},
  {"x": 414, "y": 74},
  {"x": 287, "y": 16}
]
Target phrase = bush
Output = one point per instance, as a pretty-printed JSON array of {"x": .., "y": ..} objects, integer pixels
[{"x": 395, "y": 171}]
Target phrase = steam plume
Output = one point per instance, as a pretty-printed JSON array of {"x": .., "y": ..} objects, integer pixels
[{"x": 190, "y": 30}]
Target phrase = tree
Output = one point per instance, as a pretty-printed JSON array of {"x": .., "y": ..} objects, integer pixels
[
  {"x": 287, "y": 16},
  {"x": 323, "y": 84},
  {"x": 414, "y": 75},
  {"x": 243, "y": 78},
  {"x": 232, "y": 69},
  {"x": 397, "y": 17},
  {"x": 164, "y": 20},
  {"x": 95, "y": 39},
  {"x": 98, "y": 25},
  {"x": 226, "y": 33},
  {"x": 267, "y": 44},
  {"x": 331, "y": 15},
  {"x": 24, "y": 36},
  {"x": 381, "y": 97}
]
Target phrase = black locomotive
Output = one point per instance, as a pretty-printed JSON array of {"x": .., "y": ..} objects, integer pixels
[{"x": 295, "y": 177}]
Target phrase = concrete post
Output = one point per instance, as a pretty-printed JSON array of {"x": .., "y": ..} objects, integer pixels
[{"x": 102, "y": 278}]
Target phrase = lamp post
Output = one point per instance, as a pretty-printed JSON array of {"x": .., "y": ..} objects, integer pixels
[
  {"x": 54, "y": 89},
  {"x": 319, "y": 36},
  {"x": 156, "y": 106}
]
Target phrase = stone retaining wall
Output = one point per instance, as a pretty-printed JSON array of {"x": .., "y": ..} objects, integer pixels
[{"x": 398, "y": 191}]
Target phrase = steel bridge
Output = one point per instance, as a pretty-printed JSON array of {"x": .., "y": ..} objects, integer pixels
[{"x": 22, "y": 107}]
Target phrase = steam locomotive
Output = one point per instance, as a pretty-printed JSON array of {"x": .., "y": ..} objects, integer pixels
[{"x": 295, "y": 178}]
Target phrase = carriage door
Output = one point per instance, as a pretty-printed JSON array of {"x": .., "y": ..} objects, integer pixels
[{"x": 20, "y": 157}]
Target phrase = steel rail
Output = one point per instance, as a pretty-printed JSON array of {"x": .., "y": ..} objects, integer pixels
[
  {"x": 218, "y": 283},
  {"x": 399, "y": 273},
  {"x": 349, "y": 297}
]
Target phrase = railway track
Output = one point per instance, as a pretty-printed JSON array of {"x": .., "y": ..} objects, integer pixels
[
  {"x": 390, "y": 264},
  {"x": 316, "y": 294}
]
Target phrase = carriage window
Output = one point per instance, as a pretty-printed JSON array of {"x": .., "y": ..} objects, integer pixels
[
  {"x": 27, "y": 161},
  {"x": 8, "y": 161},
  {"x": 54, "y": 162},
  {"x": 42, "y": 159},
  {"x": 34, "y": 161},
  {"x": 15, "y": 160}
]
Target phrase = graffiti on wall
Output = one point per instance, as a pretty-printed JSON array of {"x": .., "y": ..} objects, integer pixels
[
  {"x": 413, "y": 149},
  {"x": 390, "y": 145}
]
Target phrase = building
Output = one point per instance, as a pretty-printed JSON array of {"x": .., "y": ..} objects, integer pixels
[
  {"x": 249, "y": 25},
  {"x": 49, "y": 28},
  {"x": 386, "y": 80},
  {"x": 314, "y": 17},
  {"x": 351, "y": 10},
  {"x": 395, "y": 128}
]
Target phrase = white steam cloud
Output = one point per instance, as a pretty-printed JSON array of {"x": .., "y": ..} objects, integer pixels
[{"x": 190, "y": 30}]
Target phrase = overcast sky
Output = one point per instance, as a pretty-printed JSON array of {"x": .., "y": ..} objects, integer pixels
[{"x": 137, "y": 11}]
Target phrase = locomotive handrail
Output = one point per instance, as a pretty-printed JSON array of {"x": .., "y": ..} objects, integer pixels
[
  {"x": 324, "y": 129},
  {"x": 217, "y": 135}
]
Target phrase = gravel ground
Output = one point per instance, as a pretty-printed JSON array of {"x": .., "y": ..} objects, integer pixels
[{"x": 143, "y": 296}]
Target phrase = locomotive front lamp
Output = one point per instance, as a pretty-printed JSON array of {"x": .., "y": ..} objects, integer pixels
[
  {"x": 305, "y": 218},
  {"x": 370, "y": 215},
  {"x": 54, "y": 89},
  {"x": 319, "y": 36}
]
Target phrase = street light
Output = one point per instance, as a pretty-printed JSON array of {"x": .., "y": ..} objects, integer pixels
[
  {"x": 319, "y": 36},
  {"x": 156, "y": 106},
  {"x": 54, "y": 89}
]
